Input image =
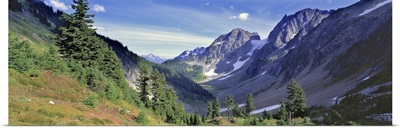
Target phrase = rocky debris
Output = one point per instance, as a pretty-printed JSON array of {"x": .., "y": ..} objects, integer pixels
[{"x": 385, "y": 117}]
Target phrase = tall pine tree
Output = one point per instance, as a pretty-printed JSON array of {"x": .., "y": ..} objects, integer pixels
[
  {"x": 210, "y": 110},
  {"x": 297, "y": 100},
  {"x": 158, "y": 87},
  {"x": 229, "y": 102},
  {"x": 283, "y": 114},
  {"x": 76, "y": 38},
  {"x": 216, "y": 106},
  {"x": 249, "y": 104},
  {"x": 145, "y": 83}
]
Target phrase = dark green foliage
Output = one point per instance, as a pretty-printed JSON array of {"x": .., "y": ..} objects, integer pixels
[
  {"x": 239, "y": 112},
  {"x": 158, "y": 90},
  {"x": 229, "y": 102},
  {"x": 297, "y": 100},
  {"x": 253, "y": 121},
  {"x": 112, "y": 90},
  {"x": 353, "y": 109},
  {"x": 51, "y": 61},
  {"x": 197, "y": 119},
  {"x": 194, "y": 72},
  {"x": 141, "y": 119},
  {"x": 283, "y": 113},
  {"x": 210, "y": 110},
  {"x": 185, "y": 83},
  {"x": 145, "y": 83},
  {"x": 91, "y": 101},
  {"x": 267, "y": 115},
  {"x": 15, "y": 5},
  {"x": 216, "y": 107},
  {"x": 95, "y": 80},
  {"x": 249, "y": 104},
  {"x": 20, "y": 56},
  {"x": 23, "y": 59}
]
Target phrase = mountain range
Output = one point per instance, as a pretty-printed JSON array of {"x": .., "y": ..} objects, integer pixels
[{"x": 331, "y": 54}]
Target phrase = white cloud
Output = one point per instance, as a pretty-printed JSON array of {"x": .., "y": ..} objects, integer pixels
[
  {"x": 100, "y": 28},
  {"x": 58, "y": 4},
  {"x": 243, "y": 16},
  {"x": 232, "y": 17},
  {"x": 99, "y": 8}
]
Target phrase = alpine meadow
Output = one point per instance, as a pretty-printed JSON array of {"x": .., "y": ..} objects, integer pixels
[{"x": 200, "y": 63}]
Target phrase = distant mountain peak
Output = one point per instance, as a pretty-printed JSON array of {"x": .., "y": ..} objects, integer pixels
[
  {"x": 153, "y": 58},
  {"x": 187, "y": 53}
]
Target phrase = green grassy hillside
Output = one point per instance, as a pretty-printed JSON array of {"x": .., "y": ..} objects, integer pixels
[{"x": 33, "y": 84}]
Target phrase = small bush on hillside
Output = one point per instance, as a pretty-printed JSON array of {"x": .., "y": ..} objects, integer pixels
[
  {"x": 91, "y": 101},
  {"x": 33, "y": 73},
  {"x": 141, "y": 119}
]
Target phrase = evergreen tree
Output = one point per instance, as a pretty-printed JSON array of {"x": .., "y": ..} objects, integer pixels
[
  {"x": 297, "y": 100},
  {"x": 283, "y": 114},
  {"x": 76, "y": 38},
  {"x": 158, "y": 88},
  {"x": 265, "y": 114},
  {"x": 210, "y": 110},
  {"x": 145, "y": 82},
  {"x": 216, "y": 106},
  {"x": 249, "y": 104},
  {"x": 229, "y": 102},
  {"x": 236, "y": 111},
  {"x": 197, "y": 119}
]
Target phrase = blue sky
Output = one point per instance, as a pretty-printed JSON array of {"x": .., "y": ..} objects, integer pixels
[{"x": 168, "y": 27}]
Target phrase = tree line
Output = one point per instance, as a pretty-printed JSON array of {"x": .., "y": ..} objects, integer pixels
[{"x": 294, "y": 107}]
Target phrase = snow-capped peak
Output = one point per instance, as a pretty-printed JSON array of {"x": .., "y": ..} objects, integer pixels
[
  {"x": 153, "y": 58},
  {"x": 187, "y": 53}
]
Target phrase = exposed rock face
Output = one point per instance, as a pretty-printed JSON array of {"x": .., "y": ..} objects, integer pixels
[
  {"x": 297, "y": 24},
  {"x": 227, "y": 43},
  {"x": 289, "y": 26}
]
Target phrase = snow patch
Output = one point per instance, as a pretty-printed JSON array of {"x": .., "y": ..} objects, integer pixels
[
  {"x": 257, "y": 44},
  {"x": 293, "y": 36},
  {"x": 218, "y": 43},
  {"x": 282, "y": 46},
  {"x": 211, "y": 73},
  {"x": 263, "y": 72},
  {"x": 269, "y": 108},
  {"x": 376, "y": 7},
  {"x": 224, "y": 109},
  {"x": 366, "y": 78},
  {"x": 225, "y": 77}
]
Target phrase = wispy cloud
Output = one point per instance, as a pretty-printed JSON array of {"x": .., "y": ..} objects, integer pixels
[
  {"x": 153, "y": 39},
  {"x": 99, "y": 8},
  {"x": 231, "y": 7},
  {"x": 58, "y": 4},
  {"x": 100, "y": 28}
]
